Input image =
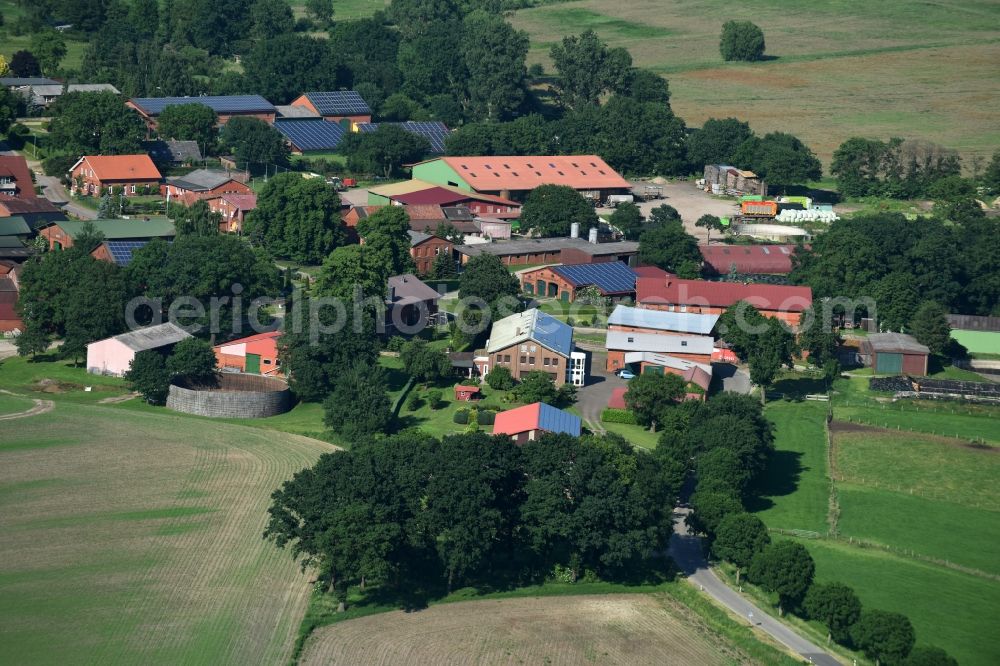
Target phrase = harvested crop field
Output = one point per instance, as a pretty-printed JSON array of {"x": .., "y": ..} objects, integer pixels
[
  {"x": 607, "y": 629},
  {"x": 135, "y": 537}
]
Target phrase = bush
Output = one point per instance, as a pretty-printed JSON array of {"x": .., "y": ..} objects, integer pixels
[
  {"x": 413, "y": 402},
  {"x": 625, "y": 416},
  {"x": 500, "y": 379},
  {"x": 461, "y": 417},
  {"x": 16, "y": 136},
  {"x": 395, "y": 343},
  {"x": 434, "y": 399},
  {"x": 741, "y": 40},
  {"x": 485, "y": 417}
]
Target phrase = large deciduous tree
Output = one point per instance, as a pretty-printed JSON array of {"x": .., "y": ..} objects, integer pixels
[
  {"x": 384, "y": 151},
  {"x": 494, "y": 54},
  {"x": 550, "y": 210},
  {"x": 588, "y": 69},
  {"x": 254, "y": 143},
  {"x": 24, "y": 63},
  {"x": 717, "y": 141},
  {"x": 189, "y": 122},
  {"x": 627, "y": 218},
  {"x": 194, "y": 220},
  {"x": 148, "y": 376},
  {"x": 785, "y": 568},
  {"x": 424, "y": 363},
  {"x": 297, "y": 218},
  {"x": 930, "y": 327},
  {"x": 358, "y": 403},
  {"x": 738, "y": 538},
  {"x": 836, "y": 606},
  {"x": 485, "y": 277},
  {"x": 779, "y": 158},
  {"x": 650, "y": 393},
  {"x": 671, "y": 248},
  {"x": 193, "y": 361},
  {"x": 883, "y": 636},
  {"x": 95, "y": 123},
  {"x": 741, "y": 40}
]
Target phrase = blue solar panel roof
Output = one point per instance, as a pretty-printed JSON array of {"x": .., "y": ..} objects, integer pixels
[
  {"x": 612, "y": 277},
  {"x": 552, "y": 333},
  {"x": 339, "y": 103},
  {"x": 435, "y": 132},
  {"x": 121, "y": 251},
  {"x": 154, "y": 106},
  {"x": 555, "y": 420},
  {"x": 311, "y": 134}
]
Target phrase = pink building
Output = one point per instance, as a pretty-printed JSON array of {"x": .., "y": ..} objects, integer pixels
[{"x": 113, "y": 356}]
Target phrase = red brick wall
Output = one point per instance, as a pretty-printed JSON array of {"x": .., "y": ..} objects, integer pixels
[
  {"x": 549, "y": 276},
  {"x": 556, "y": 367},
  {"x": 425, "y": 253},
  {"x": 790, "y": 318}
]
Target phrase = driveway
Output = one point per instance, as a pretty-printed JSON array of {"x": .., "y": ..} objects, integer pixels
[
  {"x": 691, "y": 202},
  {"x": 686, "y": 551},
  {"x": 593, "y": 398},
  {"x": 733, "y": 379}
]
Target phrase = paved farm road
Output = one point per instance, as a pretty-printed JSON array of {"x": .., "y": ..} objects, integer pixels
[{"x": 686, "y": 550}]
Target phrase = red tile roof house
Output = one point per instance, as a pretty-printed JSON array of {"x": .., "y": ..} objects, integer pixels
[
  {"x": 132, "y": 175},
  {"x": 10, "y": 287},
  {"x": 673, "y": 294},
  {"x": 425, "y": 249},
  {"x": 528, "y": 423},
  {"x": 233, "y": 208},
  {"x": 15, "y": 178},
  {"x": 202, "y": 184},
  {"x": 256, "y": 354}
]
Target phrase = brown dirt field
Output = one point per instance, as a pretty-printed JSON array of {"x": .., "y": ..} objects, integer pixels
[
  {"x": 846, "y": 426},
  {"x": 628, "y": 629}
]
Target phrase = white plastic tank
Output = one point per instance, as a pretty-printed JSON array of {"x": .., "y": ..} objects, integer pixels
[
  {"x": 574, "y": 230},
  {"x": 593, "y": 236}
]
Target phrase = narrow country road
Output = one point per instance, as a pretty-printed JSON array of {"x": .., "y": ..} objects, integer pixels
[
  {"x": 686, "y": 550},
  {"x": 54, "y": 191}
]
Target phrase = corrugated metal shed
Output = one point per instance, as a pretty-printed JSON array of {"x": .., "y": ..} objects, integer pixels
[
  {"x": 684, "y": 322},
  {"x": 152, "y": 337},
  {"x": 664, "y": 344},
  {"x": 537, "y": 416}
]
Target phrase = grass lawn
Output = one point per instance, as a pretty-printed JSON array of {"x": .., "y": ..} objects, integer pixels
[
  {"x": 135, "y": 538},
  {"x": 918, "y": 416},
  {"x": 794, "y": 490},
  {"x": 23, "y": 375},
  {"x": 637, "y": 435},
  {"x": 11, "y": 404}
]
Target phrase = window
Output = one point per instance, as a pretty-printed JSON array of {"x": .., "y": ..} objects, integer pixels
[
  {"x": 524, "y": 360},
  {"x": 545, "y": 361},
  {"x": 555, "y": 362},
  {"x": 631, "y": 339},
  {"x": 267, "y": 361},
  {"x": 533, "y": 349},
  {"x": 531, "y": 360},
  {"x": 684, "y": 343},
  {"x": 614, "y": 363},
  {"x": 133, "y": 189},
  {"x": 437, "y": 250},
  {"x": 684, "y": 308}
]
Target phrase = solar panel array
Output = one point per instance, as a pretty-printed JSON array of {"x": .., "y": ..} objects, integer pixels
[
  {"x": 121, "y": 251},
  {"x": 339, "y": 103},
  {"x": 612, "y": 277},
  {"x": 435, "y": 132},
  {"x": 218, "y": 103},
  {"x": 306, "y": 135}
]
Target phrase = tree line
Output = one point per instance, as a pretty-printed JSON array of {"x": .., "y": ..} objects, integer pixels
[{"x": 411, "y": 512}]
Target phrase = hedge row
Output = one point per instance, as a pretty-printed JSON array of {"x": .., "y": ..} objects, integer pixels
[
  {"x": 483, "y": 416},
  {"x": 625, "y": 416}
]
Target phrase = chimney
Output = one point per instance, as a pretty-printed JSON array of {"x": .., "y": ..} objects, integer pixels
[
  {"x": 574, "y": 230},
  {"x": 392, "y": 293},
  {"x": 593, "y": 236}
]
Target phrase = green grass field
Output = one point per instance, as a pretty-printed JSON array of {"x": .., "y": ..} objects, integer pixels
[
  {"x": 924, "y": 505},
  {"x": 135, "y": 538},
  {"x": 11, "y": 404},
  {"x": 838, "y": 69},
  {"x": 796, "y": 489}
]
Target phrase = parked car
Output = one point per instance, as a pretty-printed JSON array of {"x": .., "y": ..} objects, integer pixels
[{"x": 625, "y": 373}]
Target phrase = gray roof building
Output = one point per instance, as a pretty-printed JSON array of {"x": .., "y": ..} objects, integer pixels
[
  {"x": 152, "y": 337},
  {"x": 201, "y": 180},
  {"x": 899, "y": 343},
  {"x": 661, "y": 344},
  {"x": 292, "y": 111},
  {"x": 533, "y": 325},
  {"x": 408, "y": 288},
  {"x": 173, "y": 151},
  {"x": 682, "y": 322},
  {"x": 25, "y": 81},
  {"x": 45, "y": 94},
  {"x": 539, "y": 245}
]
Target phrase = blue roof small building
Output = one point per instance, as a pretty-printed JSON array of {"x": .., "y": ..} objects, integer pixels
[
  {"x": 225, "y": 107},
  {"x": 613, "y": 279},
  {"x": 528, "y": 423}
]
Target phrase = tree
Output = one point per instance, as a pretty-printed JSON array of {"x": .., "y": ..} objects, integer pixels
[
  {"x": 297, "y": 218},
  {"x": 634, "y": 137},
  {"x": 741, "y": 40},
  {"x": 254, "y": 142},
  {"x": 784, "y": 568},
  {"x": 708, "y": 223},
  {"x": 358, "y": 403},
  {"x": 779, "y": 158},
  {"x": 763, "y": 342},
  {"x": 386, "y": 234},
  {"x": 494, "y": 54},
  {"x": 883, "y": 636},
  {"x": 550, "y": 210},
  {"x": 193, "y": 361},
  {"x": 321, "y": 10},
  {"x": 627, "y": 218},
  {"x": 270, "y": 18},
  {"x": 23, "y": 63},
  {"x": 189, "y": 122},
  {"x": 88, "y": 238},
  {"x": 647, "y": 86},
  {"x": 835, "y": 605},
  {"x": 930, "y": 327},
  {"x": 650, "y": 393},
  {"x": 500, "y": 379},
  {"x": 711, "y": 506},
  {"x": 860, "y": 166},
  {"x": 816, "y": 336},
  {"x": 217, "y": 27},
  {"x": 671, "y": 248},
  {"x": 383, "y": 151},
  {"x": 148, "y": 376},
  {"x": 49, "y": 47},
  {"x": 486, "y": 278},
  {"x": 536, "y": 386},
  {"x": 717, "y": 141},
  {"x": 738, "y": 538},
  {"x": 722, "y": 470},
  {"x": 424, "y": 363},
  {"x": 194, "y": 220},
  {"x": 663, "y": 214},
  {"x": 350, "y": 270},
  {"x": 33, "y": 340},
  {"x": 991, "y": 175},
  {"x": 926, "y": 655},
  {"x": 88, "y": 123},
  {"x": 4, "y": 66},
  {"x": 588, "y": 69},
  {"x": 443, "y": 267},
  {"x": 281, "y": 67}
]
